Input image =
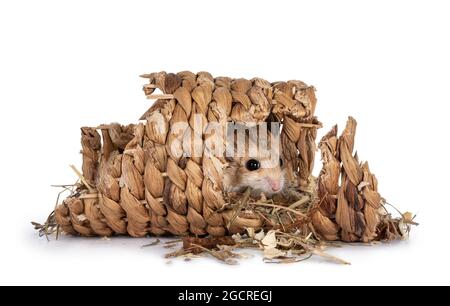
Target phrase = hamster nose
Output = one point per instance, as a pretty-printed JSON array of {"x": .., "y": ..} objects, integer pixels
[{"x": 274, "y": 184}]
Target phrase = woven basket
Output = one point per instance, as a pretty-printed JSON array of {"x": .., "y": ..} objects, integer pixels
[{"x": 135, "y": 184}]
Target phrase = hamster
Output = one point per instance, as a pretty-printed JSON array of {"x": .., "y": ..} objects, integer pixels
[{"x": 260, "y": 168}]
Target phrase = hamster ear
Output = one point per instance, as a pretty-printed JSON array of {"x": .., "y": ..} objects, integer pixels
[
  {"x": 229, "y": 159},
  {"x": 232, "y": 166}
]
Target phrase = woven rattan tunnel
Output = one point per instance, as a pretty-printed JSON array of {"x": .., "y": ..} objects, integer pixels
[{"x": 134, "y": 183}]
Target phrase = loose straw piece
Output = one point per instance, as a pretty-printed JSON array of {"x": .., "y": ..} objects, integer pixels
[
  {"x": 82, "y": 179},
  {"x": 164, "y": 96},
  {"x": 281, "y": 207},
  {"x": 89, "y": 196},
  {"x": 300, "y": 202}
]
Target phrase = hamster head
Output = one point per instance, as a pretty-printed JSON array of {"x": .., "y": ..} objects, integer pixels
[
  {"x": 259, "y": 174},
  {"x": 260, "y": 168}
]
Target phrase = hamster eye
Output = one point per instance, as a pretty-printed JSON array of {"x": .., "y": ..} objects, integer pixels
[
  {"x": 252, "y": 165},
  {"x": 281, "y": 162}
]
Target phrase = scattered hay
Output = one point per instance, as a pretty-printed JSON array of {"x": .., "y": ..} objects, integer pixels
[{"x": 281, "y": 247}]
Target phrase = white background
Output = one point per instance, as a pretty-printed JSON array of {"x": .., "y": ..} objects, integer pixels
[{"x": 64, "y": 64}]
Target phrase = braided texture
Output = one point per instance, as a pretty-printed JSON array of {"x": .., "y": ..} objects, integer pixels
[
  {"x": 349, "y": 202},
  {"x": 144, "y": 178}
]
